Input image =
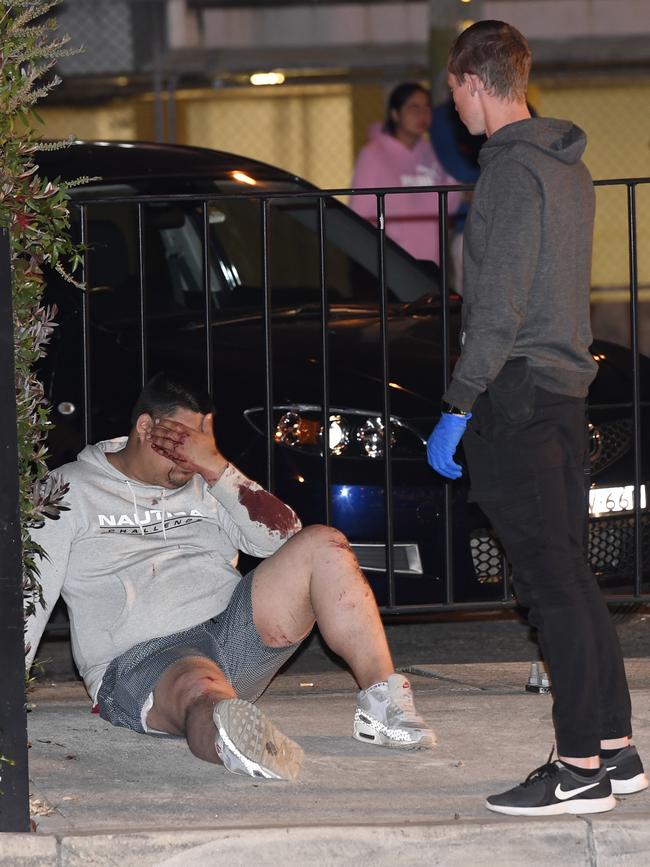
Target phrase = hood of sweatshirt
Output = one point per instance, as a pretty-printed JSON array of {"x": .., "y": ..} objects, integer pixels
[
  {"x": 95, "y": 454},
  {"x": 559, "y": 139}
]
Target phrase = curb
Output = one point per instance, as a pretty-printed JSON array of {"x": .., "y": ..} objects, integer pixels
[{"x": 507, "y": 843}]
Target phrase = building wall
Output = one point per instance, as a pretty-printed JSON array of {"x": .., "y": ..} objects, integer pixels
[
  {"x": 306, "y": 130},
  {"x": 313, "y": 131},
  {"x": 563, "y": 19},
  {"x": 618, "y": 129},
  {"x": 114, "y": 120},
  {"x": 316, "y": 131},
  {"x": 390, "y": 22},
  {"x": 340, "y": 24}
]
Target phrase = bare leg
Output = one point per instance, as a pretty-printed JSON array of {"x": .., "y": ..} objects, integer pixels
[
  {"x": 615, "y": 744},
  {"x": 183, "y": 702},
  {"x": 586, "y": 762},
  {"x": 315, "y": 577}
]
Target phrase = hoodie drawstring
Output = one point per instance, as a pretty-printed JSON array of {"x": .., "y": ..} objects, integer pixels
[
  {"x": 162, "y": 509},
  {"x": 135, "y": 507},
  {"x": 137, "y": 516}
]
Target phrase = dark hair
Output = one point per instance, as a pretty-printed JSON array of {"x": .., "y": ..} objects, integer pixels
[
  {"x": 165, "y": 393},
  {"x": 398, "y": 96},
  {"x": 498, "y": 54}
]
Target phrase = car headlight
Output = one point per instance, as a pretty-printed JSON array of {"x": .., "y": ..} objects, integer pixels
[
  {"x": 352, "y": 433},
  {"x": 370, "y": 434},
  {"x": 338, "y": 434}
]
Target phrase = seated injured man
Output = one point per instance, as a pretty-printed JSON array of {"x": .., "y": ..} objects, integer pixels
[{"x": 168, "y": 636}]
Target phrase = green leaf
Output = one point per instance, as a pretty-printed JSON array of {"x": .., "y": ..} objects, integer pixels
[{"x": 35, "y": 210}]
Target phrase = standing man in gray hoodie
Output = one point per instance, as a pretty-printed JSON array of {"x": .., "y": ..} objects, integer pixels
[
  {"x": 517, "y": 394},
  {"x": 168, "y": 636}
]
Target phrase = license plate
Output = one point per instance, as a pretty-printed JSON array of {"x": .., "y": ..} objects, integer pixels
[{"x": 613, "y": 501}]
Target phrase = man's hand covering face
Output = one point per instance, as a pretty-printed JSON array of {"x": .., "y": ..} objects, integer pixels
[{"x": 194, "y": 451}]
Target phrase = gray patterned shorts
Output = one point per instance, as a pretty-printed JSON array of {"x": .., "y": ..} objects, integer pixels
[{"x": 230, "y": 640}]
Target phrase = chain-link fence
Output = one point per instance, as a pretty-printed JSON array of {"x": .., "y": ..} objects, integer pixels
[{"x": 119, "y": 37}]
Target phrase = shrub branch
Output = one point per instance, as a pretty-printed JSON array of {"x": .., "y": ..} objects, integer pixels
[{"x": 35, "y": 210}]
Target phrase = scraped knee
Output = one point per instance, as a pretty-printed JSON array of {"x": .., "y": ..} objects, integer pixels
[{"x": 320, "y": 536}]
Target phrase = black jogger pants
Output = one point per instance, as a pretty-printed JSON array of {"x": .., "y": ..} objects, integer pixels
[{"x": 526, "y": 450}]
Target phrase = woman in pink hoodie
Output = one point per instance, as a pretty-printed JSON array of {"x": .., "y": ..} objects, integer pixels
[{"x": 400, "y": 155}]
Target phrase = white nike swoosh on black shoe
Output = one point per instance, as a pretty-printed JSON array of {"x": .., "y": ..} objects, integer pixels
[
  {"x": 553, "y": 789},
  {"x": 561, "y": 795}
]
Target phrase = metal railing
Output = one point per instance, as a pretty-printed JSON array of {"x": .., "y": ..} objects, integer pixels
[
  {"x": 13, "y": 785},
  {"x": 266, "y": 202}
]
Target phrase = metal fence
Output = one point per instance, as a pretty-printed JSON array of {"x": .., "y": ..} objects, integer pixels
[
  {"x": 624, "y": 534},
  {"x": 266, "y": 203},
  {"x": 13, "y": 786}
]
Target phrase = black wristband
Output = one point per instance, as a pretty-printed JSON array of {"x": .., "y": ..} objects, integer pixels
[{"x": 453, "y": 410}]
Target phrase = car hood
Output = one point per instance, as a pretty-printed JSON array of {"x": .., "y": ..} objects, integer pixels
[
  {"x": 354, "y": 354},
  {"x": 415, "y": 370}
]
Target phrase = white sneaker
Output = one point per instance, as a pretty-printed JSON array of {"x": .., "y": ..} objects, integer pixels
[
  {"x": 248, "y": 743},
  {"x": 386, "y": 716}
]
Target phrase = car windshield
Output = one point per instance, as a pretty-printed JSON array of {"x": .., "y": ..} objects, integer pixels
[
  {"x": 351, "y": 269},
  {"x": 174, "y": 260}
]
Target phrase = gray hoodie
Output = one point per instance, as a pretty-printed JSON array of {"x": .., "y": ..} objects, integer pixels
[
  {"x": 134, "y": 561},
  {"x": 527, "y": 262}
]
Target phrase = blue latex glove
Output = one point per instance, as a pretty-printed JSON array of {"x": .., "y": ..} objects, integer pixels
[{"x": 442, "y": 444}]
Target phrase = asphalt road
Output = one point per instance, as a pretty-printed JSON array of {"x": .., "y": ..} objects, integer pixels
[{"x": 440, "y": 639}]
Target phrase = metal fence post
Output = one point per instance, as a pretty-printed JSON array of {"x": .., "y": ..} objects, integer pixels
[{"x": 14, "y": 785}]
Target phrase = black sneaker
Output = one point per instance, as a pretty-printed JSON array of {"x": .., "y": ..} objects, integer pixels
[
  {"x": 626, "y": 772},
  {"x": 554, "y": 789}
]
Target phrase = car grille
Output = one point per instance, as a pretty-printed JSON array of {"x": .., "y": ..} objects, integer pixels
[
  {"x": 611, "y": 544},
  {"x": 610, "y": 551},
  {"x": 611, "y": 540},
  {"x": 610, "y": 440},
  {"x": 487, "y": 557}
]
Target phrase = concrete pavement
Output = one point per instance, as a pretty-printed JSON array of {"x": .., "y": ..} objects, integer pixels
[{"x": 105, "y": 796}]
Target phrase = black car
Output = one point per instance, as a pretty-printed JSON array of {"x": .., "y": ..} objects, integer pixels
[{"x": 183, "y": 252}]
